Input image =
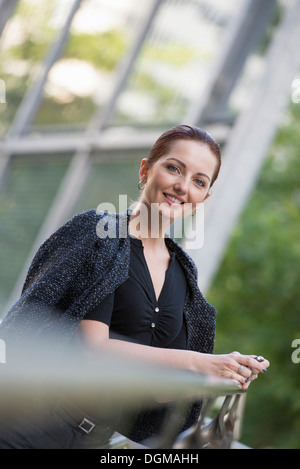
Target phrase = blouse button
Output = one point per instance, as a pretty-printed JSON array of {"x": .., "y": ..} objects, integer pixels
[
  {"x": 156, "y": 309},
  {"x": 153, "y": 324}
]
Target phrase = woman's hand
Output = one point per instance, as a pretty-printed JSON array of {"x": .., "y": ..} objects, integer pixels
[{"x": 242, "y": 369}]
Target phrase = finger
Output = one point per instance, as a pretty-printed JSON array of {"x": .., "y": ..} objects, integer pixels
[
  {"x": 263, "y": 363},
  {"x": 258, "y": 358},
  {"x": 252, "y": 377},
  {"x": 250, "y": 361},
  {"x": 239, "y": 365},
  {"x": 244, "y": 371},
  {"x": 239, "y": 378},
  {"x": 240, "y": 374},
  {"x": 237, "y": 383}
]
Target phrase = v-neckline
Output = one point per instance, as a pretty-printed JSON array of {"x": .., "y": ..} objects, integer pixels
[
  {"x": 139, "y": 243},
  {"x": 156, "y": 297}
]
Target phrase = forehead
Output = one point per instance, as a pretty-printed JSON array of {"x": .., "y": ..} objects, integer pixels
[{"x": 196, "y": 155}]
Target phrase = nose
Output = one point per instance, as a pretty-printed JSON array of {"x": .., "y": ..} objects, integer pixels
[{"x": 181, "y": 186}]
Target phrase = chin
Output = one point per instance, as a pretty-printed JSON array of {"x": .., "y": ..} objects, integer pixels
[{"x": 172, "y": 213}]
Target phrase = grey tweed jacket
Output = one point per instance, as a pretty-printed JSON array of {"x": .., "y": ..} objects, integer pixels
[{"x": 77, "y": 267}]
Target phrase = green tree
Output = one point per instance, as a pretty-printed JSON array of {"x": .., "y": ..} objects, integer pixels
[{"x": 257, "y": 296}]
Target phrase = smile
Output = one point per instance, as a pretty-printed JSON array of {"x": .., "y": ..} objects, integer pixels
[{"x": 174, "y": 200}]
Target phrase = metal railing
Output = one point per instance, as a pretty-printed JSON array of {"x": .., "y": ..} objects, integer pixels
[
  {"x": 27, "y": 379},
  {"x": 219, "y": 432}
]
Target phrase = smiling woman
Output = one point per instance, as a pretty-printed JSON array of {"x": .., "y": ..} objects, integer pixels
[
  {"x": 135, "y": 295},
  {"x": 182, "y": 165},
  {"x": 163, "y": 144}
]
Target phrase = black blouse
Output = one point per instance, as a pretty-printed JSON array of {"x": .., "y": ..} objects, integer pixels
[{"x": 134, "y": 313}]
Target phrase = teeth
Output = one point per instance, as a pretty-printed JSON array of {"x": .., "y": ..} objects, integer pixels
[{"x": 173, "y": 199}]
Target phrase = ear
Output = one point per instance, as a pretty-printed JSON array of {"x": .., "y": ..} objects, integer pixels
[{"x": 143, "y": 169}]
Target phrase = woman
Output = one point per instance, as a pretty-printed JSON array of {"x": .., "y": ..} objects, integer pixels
[{"x": 134, "y": 292}]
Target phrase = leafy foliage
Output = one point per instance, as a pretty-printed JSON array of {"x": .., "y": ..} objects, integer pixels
[
  {"x": 102, "y": 50},
  {"x": 257, "y": 296}
]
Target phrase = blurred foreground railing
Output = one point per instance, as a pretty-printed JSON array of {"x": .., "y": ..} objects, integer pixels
[
  {"x": 219, "y": 432},
  {"x": 27, "y": 380}
]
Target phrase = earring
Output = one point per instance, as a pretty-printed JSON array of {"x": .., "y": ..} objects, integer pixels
[{"x": 141, "y": 185}]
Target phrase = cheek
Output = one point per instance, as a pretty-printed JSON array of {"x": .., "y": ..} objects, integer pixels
[
  {"x": 197, "y": 196},
  {"x": 159, "y": 180}
]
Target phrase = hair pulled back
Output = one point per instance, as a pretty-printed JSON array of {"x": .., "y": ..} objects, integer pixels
[{"x": 163, "y": 144}]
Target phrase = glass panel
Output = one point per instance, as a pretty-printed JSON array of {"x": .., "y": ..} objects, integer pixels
[
  {"x": 25, "y": 41},
  {"x": 109, "y": 180},
  {"x": 175, "y": 61},
  {"x": 83, "y": 78},
  {"x": 29, "y": 191}
]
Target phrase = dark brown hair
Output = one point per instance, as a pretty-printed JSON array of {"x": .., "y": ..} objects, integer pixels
[{"x": 184, "y": 132}]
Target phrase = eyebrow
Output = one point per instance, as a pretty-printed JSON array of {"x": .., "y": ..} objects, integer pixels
[{"x": 184, "y": 166}]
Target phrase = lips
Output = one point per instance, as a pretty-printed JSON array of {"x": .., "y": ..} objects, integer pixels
[{"x": 172, "y": 199}]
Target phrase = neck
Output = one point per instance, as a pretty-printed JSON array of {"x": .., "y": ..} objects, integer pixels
[{"x": 148, "y": 224}]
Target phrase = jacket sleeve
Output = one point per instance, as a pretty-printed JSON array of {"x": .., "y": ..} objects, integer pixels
[{"x": 58, "y": 273}]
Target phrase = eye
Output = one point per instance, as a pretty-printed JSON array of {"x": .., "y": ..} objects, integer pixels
[
  {"x": 173, "y": 168},
  {"x": 199, "y": 183}
]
